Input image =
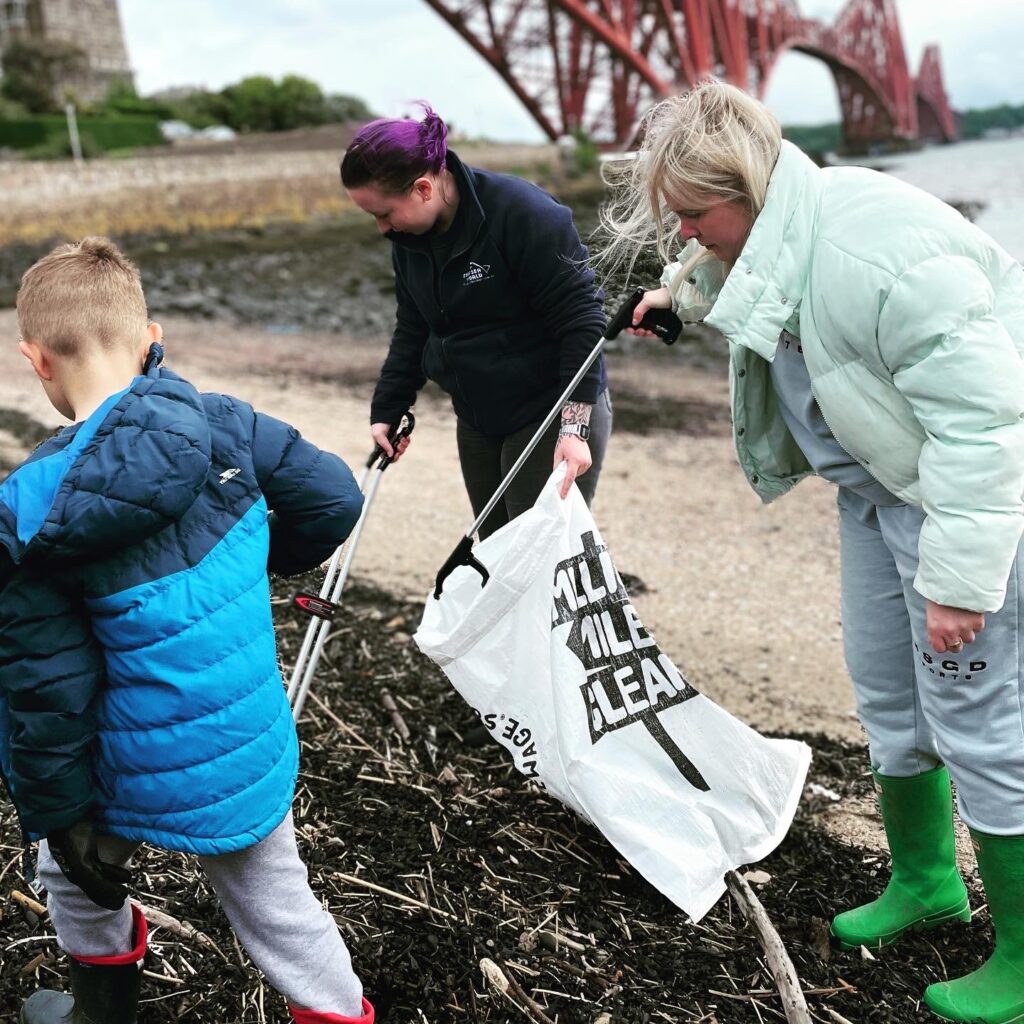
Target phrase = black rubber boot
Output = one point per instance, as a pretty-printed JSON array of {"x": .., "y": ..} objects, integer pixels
[
  {"x": 102, "y": 995},
  {"x": 104, "y": 990}
]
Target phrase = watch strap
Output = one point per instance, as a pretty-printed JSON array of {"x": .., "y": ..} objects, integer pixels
[{"x": 580, "y": 430}]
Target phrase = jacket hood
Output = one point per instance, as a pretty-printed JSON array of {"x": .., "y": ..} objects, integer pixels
[{"x": 132, "y": 468}]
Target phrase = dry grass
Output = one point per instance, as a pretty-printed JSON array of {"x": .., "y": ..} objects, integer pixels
[{"x": 192, "y": 192}]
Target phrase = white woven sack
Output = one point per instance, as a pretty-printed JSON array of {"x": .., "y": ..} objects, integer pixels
[{"x": 554, "y": 659}]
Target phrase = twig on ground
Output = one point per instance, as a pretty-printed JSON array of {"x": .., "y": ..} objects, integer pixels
[
  {"x": 28, "y": 903},
  {"x": 353, "y": 880},
  {"x": 836, "y": 1016},
  {"x": 37, "y": 961},
  {"x": 343, "y": 727},
  {"x": 396, "y": 716},
  {"x": 184, "y": 930},
  {"x": 501, "y": 980},
  {"x": 793, "y": 1002}
]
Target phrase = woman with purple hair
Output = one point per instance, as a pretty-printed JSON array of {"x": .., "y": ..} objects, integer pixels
[{"x": 496, "y": 303}]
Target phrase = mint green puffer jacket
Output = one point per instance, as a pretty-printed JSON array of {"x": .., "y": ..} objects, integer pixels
[{"x": 912, "y": 327}]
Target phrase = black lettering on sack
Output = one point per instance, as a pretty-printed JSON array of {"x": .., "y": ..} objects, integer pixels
[
  {"x": 628, "y": 679},
  {"x": 503, "y": 728}
]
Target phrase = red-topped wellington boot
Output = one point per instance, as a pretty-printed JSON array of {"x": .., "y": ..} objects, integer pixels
[
  {"x": 315, "y": 1017},
  {"x": 104, "y": 989}
]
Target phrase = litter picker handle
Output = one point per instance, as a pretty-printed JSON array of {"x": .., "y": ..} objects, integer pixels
[
  {"x": 403, "y": 428},
  {"x": 623, "y": 317},
  {"x": 662, "y": 322}
]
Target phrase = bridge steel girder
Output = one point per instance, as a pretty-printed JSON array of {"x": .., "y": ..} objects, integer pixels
[
  {"x": 935, "y": 116},
  {"x": 597, "y": 65}
]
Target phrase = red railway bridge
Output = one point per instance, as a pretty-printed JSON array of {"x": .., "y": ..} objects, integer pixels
[{"x": 597, "y": 65}]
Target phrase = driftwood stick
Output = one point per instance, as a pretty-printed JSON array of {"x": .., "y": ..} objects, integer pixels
[
  {"x": 28, "y": 903},
  {"x": 396, "y": 716},
  {"x": 157, "y": 918},
  {"x": 354, "y": 880},
  {"x": 184, "y": 930},
  {"x": 836, "y": 1016},
  {"x": 535, "y": 1010},
  {"x": 793, "y": 1003},
  {"x": 37, "y": 961},
  {"x": 500, "y": 979}
]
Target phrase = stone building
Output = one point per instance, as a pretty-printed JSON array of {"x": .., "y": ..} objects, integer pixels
[{"x": 92, "y": 26}]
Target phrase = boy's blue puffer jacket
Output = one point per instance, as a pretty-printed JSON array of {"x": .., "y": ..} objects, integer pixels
[{"x": 139, "y": 682}]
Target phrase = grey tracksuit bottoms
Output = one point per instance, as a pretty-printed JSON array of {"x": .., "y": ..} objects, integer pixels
[
  {"x": 265, "y": 894},
  {"x": 920, "y": 708}
]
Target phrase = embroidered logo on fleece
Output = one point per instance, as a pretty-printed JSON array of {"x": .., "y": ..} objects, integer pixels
[{"x": 477, "y": 272}]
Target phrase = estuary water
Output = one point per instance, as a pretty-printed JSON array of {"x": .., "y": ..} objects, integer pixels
[{"x": 989, "y": 171}]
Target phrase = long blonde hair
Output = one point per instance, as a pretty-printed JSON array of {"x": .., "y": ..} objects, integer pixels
[{"x": 714, "y": 140}]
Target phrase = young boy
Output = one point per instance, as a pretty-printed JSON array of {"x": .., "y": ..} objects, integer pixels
[{"x": 140, "y": 697}]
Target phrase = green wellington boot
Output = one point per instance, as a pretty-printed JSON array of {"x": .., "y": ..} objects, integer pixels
[
  {"x": 994, "y": 993},
  {"x": 925, "y": 888}
]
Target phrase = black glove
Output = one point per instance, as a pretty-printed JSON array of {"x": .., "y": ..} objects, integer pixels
[{"x": 74, "y": 850}]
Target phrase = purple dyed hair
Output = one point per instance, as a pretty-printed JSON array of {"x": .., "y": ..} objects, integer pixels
[{"x": 391, "y": 153}]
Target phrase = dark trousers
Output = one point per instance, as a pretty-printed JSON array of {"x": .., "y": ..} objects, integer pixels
[{"x": 486, "y": 460}]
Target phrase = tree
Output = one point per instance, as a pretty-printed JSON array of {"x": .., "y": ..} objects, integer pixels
[
  {"x": 339, "y": 107},
  {"x": 299, "y": 102},
  {"x": 252, "y": 104},
  {"x": 35, "y": 70},
  {"x": 122, "y": 98}
]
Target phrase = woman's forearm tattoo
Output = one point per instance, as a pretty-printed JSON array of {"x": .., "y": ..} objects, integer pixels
[{"x": 576, "y": 412}]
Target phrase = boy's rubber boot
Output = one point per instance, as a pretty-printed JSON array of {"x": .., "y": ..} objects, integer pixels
[
  {"x": 315, "y": 1017},
  {"x": 925, "y": 888},
  {"x": 105, "y": 990},
  {"x": 993, "y": 994}
]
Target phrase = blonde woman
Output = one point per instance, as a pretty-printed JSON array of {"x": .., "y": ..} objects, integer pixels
[{"x": 876, "y": 339}]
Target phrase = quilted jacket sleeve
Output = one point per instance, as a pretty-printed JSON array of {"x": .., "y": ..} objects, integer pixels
[
  {"x": 50, "y": 670},
  {"x": 962, "y": 374},
  {"x": 312, "y": 494}
]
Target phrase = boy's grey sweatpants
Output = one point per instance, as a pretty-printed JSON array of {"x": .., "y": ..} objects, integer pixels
[
  {"x": 264, "y": 891},
  {"x": 920, "y": 708}
]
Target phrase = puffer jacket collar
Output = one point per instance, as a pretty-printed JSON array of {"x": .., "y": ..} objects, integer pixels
[
  {"x": 131, "y": 468},
  {"x": 765, "y": 285}
]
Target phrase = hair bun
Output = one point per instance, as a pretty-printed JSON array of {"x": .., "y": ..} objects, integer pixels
[{"x": 435, "y": 138}]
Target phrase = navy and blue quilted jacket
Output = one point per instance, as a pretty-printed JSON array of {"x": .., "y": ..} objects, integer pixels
[{"x": 139, "y": 683}]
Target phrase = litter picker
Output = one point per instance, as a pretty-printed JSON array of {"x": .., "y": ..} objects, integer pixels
[
  {"x": 323, "y": 607},
  {"x": 663, "y": 322}
]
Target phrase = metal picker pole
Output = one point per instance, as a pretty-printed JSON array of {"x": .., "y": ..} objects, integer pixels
[
  {"x": 334, "y": 580},
  {"x": 664, "y": 323},
  {"x": 322, "y": 625},
  {"x": 325, "y": 589}
]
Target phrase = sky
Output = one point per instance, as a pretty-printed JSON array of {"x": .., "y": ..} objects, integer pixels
[{"x": 392, "y": 52}]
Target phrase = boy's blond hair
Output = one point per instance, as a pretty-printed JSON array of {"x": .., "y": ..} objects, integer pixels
[{"x": 81, "y": 294}]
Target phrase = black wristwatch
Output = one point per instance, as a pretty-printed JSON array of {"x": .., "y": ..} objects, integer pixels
[{"x": 580, "y": 430}]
